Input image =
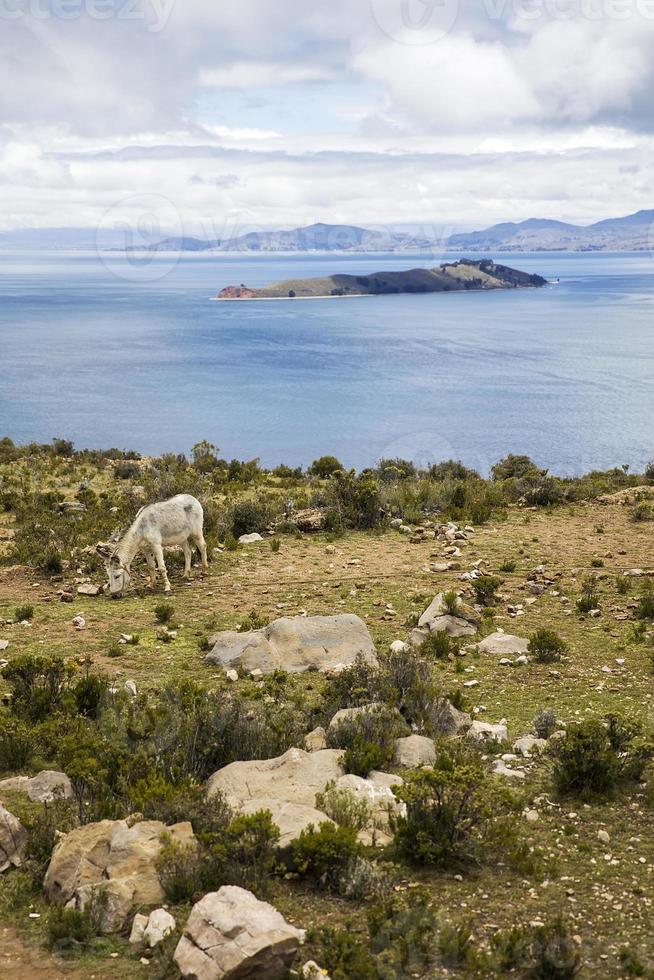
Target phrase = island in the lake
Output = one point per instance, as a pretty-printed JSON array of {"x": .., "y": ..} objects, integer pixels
[{"x": 465, "y": 274}]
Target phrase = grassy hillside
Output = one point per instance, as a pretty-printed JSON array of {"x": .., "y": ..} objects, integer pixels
[{"x": 586, "y": 859}]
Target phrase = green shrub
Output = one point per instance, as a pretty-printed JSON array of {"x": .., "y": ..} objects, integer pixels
[
  {"x": 438, "y": 646},
  {"x": 545, "y": 723},
  {"x": 38, "y": 683},
  {"x": 249, "y": 517},
  {"x": 16, "y": 745},
  {"x": 508, "y": 566},
  {"x": 89, "y": 693},
  {"x": 324, "y": 853},
  {"x": 71, "y": 929},
  {"x": 448, "y": 811},
  {"x": 325, "y": 467},
  {"x": 546, "y": 646},
  {"x": 245, "y": 854},
  {"x": 43, "y": 829},
  {"x": 543, "y": 952},
  {"x": 180, "y": 868},
  {"x": 164, "y": 613},
  {"x": 645, "y": 609},
  {"x": 356, "y": 498},
  {"x": 622, "y": 585},
  {"x": 589, "y": 597},
  {"x": 345, "y": 807},
  {"x": 23, "y": 613},
  {"x": 51, "y": 563},
  {"x": 485, "y": 588},
  {"x": 343, "y": 954},
  {"x": 451, "y": 603},
  {"x": 275, "y": 545},
  {"x": 642, "y": 512},
  {"x": 598, "y": 756},
  {"x": 368, "y": 738}
]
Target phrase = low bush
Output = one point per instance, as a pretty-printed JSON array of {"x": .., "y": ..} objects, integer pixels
[
  {"x": 345, "y": 808},
  {"x": 540, "y": 952},
  {"x": 249, "y": 517},
  {"x": 545, "y": 723},
  {"x": 597, "y": 757},
  {"x": 164, "y": 613},
  {"x": 546, "y": 646},
  {"x": 589, "y": 597},
  {"x": 368, "y": 739},
  {"x": 39, "y": 683},
  {"x": 485, "y": 588},
  {"x": 180, "y": 868},
  {"x": 438, "y": 646},
  {"x": 323, "y": 854},
  {"x": 23, "y": 613},
  {"x": 70, "y": 929},
  {"x": 645, "y": 609},
  {"x": 449, "y": 810},
  {"x": 16, "y": 745}
]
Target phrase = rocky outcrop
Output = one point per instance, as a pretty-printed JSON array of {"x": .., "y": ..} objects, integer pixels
[
  {"x": 236, "y": 292},
  {"x": 231, "y": 935},
  {"x": 437, "y": 618},
  {"x": 13, "y": 841},
  {"x": 295, "y": 645},
  {"x": 112, "y": 860}
]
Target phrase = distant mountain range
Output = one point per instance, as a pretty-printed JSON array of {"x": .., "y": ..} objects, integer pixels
[
  {"x": 635, "y": 232},
  {"x": 319, "y": 237}
]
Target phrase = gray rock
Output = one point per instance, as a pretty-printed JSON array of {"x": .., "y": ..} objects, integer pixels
[
  {"x": 249, "y": 538},
  {"x": 377, "y": 790},
  {"x": 528, "y": 744},
  {"x": 88, "y": 589},
  {"x": 503, "y": 644},
  {"x": 160, "y": 924},
  {"x": 414, "y": 751},
  {"x": 231, "y": 935},
  {"x": 139, "y": 923},
  {"x": 437, "y": 610},
  {"x": 449, "y": 720},
  {"x": 482, "y": 731},
  {"x": 4, "y": 644},
  {"x": 290, "y": 818},
  {"x": 13, "y": 841},
  {"x": 295, "y": 645},
  {"x": 49, "y": 785},
  {"x": 348, "y": 714},
  {"x": 501, "y": 769}
]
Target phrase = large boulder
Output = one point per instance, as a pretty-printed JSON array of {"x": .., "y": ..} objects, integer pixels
[
  {"x": 415, "y": 751},
  {"x": 231, "y": 935},
  {"x": 13, "y": 841},
  {"x": 503, "y": 644},
  {"x": 294, "y": 777},
  {"x": 295, "y": 644},
  {"x": 377, "y": 791},
  {"x": 45, "y": 787},
  {"x": 115, "y": 861}
]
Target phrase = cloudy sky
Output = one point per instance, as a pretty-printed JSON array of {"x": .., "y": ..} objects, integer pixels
[{"x": 222, "y": 115}]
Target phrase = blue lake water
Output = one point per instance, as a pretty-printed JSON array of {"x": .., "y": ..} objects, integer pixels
[{"x": 112, "y": 353}]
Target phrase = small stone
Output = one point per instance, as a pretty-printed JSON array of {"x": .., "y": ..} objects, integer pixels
[
  {"x": 603, "y": 837},
  {"x": 130, "y": 688},
  {"x": 79, "y": 623},
  {"x": 532, "y": 816},
  {"x": 231, "y": 675},
  {"x": 256, "y": 674}
]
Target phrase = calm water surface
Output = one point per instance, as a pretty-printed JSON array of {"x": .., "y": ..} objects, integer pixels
[{"x": 106, "y": 352}]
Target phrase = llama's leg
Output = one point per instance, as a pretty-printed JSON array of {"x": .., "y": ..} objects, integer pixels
[
  {"x": 161, "y": 565},
  {"x": 187, "y": 559},
  {"x": 152, "y": 568}
]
